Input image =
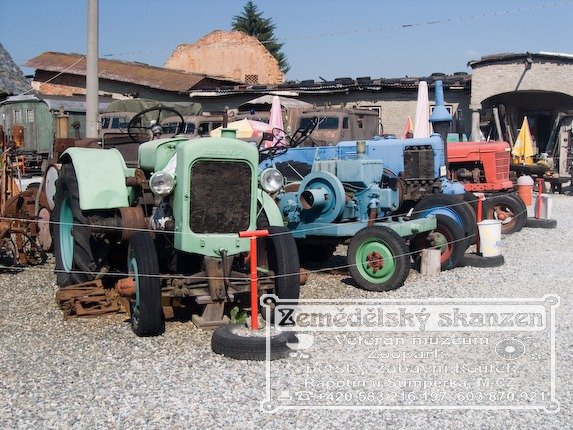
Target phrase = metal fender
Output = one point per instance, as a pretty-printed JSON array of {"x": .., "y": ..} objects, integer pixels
[
  {"x": 270, "y": 207},
  {"x": 101, "y": 177}
]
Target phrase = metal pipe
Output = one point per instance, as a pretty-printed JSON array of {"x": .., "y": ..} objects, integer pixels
[{"x": 92, "y": 71}]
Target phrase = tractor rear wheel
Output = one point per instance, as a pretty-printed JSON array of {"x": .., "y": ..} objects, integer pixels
[
  {"x": 73, "y": 245},
  {"x": 454, "y": 207},
  {"x": 378, "y": 259},
  {"x": 509, "y": 209}
]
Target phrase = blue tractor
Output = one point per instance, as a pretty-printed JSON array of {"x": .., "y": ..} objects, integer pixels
[
  {"x": 329, "y": 188},
  {"x": 347, "y": 199}
]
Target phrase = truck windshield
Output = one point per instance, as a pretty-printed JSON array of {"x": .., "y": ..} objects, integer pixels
[{"x": 324, "y": 122}]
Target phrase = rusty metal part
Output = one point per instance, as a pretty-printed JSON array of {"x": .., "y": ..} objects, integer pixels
[
  {"x": 375, "y": 261},
  {"x": 304, "y": 276},
  {"x": 132, "y": 219},
  {"x": 126, "y": 286},
  {"x": 372, "y": 215},
  {"x": 89, "y": 299},
  {"x": 215, "y": 277},
  {"x": 4, "y": 229},
  {"x": 44, "y": 235}
]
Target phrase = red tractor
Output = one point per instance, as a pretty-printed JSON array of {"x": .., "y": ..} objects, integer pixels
[{"x": 484, "y": 167}]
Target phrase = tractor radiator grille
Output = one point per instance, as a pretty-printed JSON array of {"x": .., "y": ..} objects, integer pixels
[
  {"x": 220, "y": 196},
  {"x": 502, "y": 166},
  {"x": 418, "y": 162}
]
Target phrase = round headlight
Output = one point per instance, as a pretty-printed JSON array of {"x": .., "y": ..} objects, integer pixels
[
  {"x": 271, "y": 180},
  {"x": 162, "y": 183}
]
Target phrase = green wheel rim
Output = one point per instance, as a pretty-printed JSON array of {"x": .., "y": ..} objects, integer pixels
[
  {"x": 375, "y": 261},
  {"x": 66, "y": 238}
]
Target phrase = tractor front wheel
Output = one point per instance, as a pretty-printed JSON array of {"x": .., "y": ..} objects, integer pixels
[
  {"x": 507, "y": 208},
  {"x": 147, "y": 317},
  {"x": 378, "y": 259}
]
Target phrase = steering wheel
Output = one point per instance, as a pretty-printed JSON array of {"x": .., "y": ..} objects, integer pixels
[
  {"x": 303, "y": 132},
  {"x": 137, "y": 130},
  {"x": 278, "y": 148}
]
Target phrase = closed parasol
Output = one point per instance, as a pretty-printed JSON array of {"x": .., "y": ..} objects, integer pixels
[
  {"x": 276, "y": 123},
  {"x": 523, "y": 150},
  {"x": 422, "y": 126}
]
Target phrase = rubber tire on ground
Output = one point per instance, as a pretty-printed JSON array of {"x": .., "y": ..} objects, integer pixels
[
  {"x": 371, "y": 240},
  {"x": 540, "y": 223},
  {"x": 225, "y": 341},
  {"x": 315, "y": 253},
  {"x": 450, "y": 205},
  {"x": 452, "y": 233},
  {"x": 515, "y": 206},
  {"x": 147, "y": 317},
  {"x": 75, "y": 239},
  {"x": 475, "y": 260}
]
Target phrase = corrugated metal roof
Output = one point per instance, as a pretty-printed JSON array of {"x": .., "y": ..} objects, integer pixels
[
  {"x": 12, "y": 80},
  {"x": 496, "y": 58},
  {"x": 68, "y": 104},
  {"x": 123, "y": 71}
]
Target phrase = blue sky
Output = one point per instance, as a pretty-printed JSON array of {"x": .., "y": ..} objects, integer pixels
[{"x": 322, "y": 38}]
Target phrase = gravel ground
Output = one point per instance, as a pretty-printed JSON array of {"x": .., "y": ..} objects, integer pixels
[{"x": 95, "y": 373}]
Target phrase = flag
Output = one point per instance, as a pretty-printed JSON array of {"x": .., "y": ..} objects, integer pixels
[{"x": 523, "y": 150}]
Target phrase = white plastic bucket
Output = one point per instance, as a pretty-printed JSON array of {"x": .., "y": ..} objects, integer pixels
[
  {"x": 546, "y": 207},
  {"x": 490, "y": 237}
]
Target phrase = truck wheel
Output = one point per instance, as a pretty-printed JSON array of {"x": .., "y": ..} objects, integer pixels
[
  {"x": 448, "y": 237},
  {"x": 509, "y": 209},
  {"x": 378, "y": 259},
  {"x": 146, "y": 312},
  {"x": 454, "y": 207},
  {"x": 72, "y": 238}
]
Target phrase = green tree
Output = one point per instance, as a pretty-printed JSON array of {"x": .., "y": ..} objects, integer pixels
[{"x": 252, "y": 22}]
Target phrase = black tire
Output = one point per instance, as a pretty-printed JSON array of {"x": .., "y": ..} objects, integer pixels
[
  {"x": 475, "y": 260},
  {"x": 540, "y": 223},
  {"x": 471, "y": 199},
  {"x": 453, "y": 206},
  {"x": 378, "y": 259},
  {"x": 509, "y": 209},
  {"x": 448, "y": 237},
  {"x": 282, "y": 257},
  {"x": 147, "y": 317},
  {"x": 227, "y": 341},
  {"x": 315, "y": 253},
  {"x": 73, "y": 247}
]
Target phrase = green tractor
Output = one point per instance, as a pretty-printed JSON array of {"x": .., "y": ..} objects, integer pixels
[{"x": 165, "y": 233}]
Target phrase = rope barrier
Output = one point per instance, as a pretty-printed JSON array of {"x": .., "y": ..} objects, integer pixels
[{"x": 125, "y": 274}]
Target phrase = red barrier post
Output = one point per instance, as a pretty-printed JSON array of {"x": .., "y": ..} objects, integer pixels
[
  {"x": 252, "y": 235},
  {"x": 539, "y": 197},
  {"x": 479, "y": 216}
]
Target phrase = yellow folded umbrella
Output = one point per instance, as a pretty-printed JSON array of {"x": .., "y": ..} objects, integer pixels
[{"x": 523, "y": 150}]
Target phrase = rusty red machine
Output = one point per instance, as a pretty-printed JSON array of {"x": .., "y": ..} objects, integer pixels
[
  {"x": 484, "y": 167},
  {"x": 21, "y": 226}
]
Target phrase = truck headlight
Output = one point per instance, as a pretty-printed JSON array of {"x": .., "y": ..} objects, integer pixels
[
  {"x": 162, "y": 183},
  {"x": 271, "y": 180}
]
